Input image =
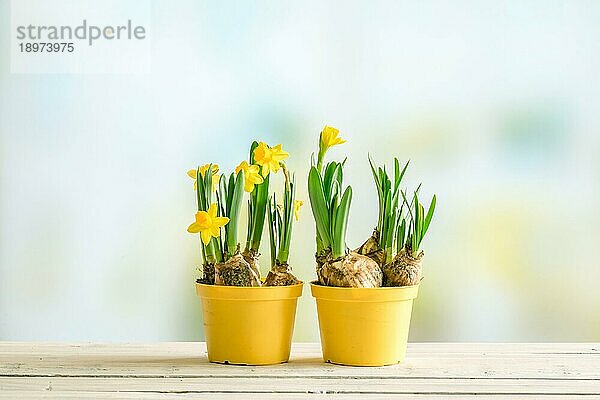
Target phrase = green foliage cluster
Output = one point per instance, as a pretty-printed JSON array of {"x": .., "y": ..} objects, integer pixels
[
  {"x": 257, "y": 208},
  {"x": 229, "y": 199},
  {"x": 280, "y": 220},
  {"x": 394, "y": 232},
  {"x": 330, "y": 207}
]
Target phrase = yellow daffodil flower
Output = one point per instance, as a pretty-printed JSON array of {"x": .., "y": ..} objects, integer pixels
[
  {"x": 208, "y": 224},
  {"x": 297, "y": 205},
  {"x": 215, "y": 178},
  {"x": 269, "y": 157},
  {"x": 329, "y": 137},
  {"x": 251, "y": 175}
]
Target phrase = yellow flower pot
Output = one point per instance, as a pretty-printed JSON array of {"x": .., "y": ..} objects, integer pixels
[
  {"x": 248, "y": 325},
  {"x": 364, "y": 326}
]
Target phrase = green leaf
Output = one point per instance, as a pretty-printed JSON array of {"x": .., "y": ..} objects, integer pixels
[
  {"x": 328, "y": 179},
  {"x": 235, "y": 209},
  {"x": 208, "y": 186},
  {"x": 409, "y": 205},
  {"x": 420, "y": 212},
  {"x": 401, "y": 236},
  {"x": 333, "y": 208},
  {"x": 429, "y": 214},
  {"x": 290, "y": 196},
  {"x": 222, "y": 197},
  {"x": 319, "y": 206},
  {"x": 415, "y": 204},
  {"x": 253, "y": 146},
  {"x": 200, "y": 191},
  {"x": 272, "y": 233},
  {"x": 341, "y": 223},
  {"x": 391, "y": 229},
  {"x": 380, "y": 198},
  {"x": 230, "y": 190},
  {"x": 396, "y": 170},
  {"x": 259, "y": 209},
  {"x": 386, "y": 219},
  {"x": 398, "y": 178}
]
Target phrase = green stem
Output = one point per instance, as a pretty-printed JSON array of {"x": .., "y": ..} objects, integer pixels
[
  {"x": 259, "y": 208},
  {"x": 234, "y": 209},
  {"x": 320, "y": 158},
  {"x": 209, "y": 250},
  {"x": 288, "y": 217}
]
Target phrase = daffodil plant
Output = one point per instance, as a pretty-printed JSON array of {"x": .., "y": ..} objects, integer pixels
[
  {"x": 406, "y": 267},
  {"x": 217, "y": 222},
  {"x": 418, "y": 224},
  {"x": 395, "y": 244},
  {"x": 388, "y": 193},
  {"x": 330, "y": 204},
  {"x": 208, "y": 221},
  {"x": 265, "y": 159},
  {"x": 280, "y": 220}
]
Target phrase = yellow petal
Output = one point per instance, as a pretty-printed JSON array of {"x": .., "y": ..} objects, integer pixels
[
  {"x": 215, "y": 182},
  {"x": 297, "y": 205},
  {"x": 274, "y": 166},
  {"x": 255, "y": 179},
  {"x": 278, "y": 154},
  {"x": 204, "y": 168},
  {"x": 265, "y": 170},
  {"x": 212, "y": 210},
  {"x": 329, "y": 137},
  {"x": 193, "y": 228},
  {"x": 192, "y": 173},
  {"x": 249, "y": 185},
  {"x": 243, "y": 166},
  {"x": 205, "y": 235},
  {"x": 220, "y": 221},
  {"x": 214, "y": 231}
]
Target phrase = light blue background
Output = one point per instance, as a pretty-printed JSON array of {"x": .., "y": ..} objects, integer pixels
[{"x": 495, "y": 103}]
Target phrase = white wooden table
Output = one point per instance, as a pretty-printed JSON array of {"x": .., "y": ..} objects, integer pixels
[{"x": 181, "y": 371}]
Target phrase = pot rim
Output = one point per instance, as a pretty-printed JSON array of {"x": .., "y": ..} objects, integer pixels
[
  {"x": 379, "y": 294},
  {"x": 249, "y": 293}
]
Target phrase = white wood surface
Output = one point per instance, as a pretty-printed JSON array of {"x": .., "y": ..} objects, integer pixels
[{"x": 181, "y": 371}]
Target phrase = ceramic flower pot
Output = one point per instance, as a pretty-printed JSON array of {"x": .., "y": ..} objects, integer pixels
[
  {"x": 248, "y": 325},
  {"x": 364, "y": 326}
]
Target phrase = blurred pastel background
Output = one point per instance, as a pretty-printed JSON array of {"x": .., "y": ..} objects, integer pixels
[{"x": 496, "y": 104}]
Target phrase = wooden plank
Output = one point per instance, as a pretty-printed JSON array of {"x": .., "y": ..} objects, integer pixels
[
  {"x": 488, "y": 367},
  {"x": 424, "y": 360},
  {"x": 49, "y": 395},
  {"x": 351, "y": 385},
  {"x": 300, "y": 348},
  {"x": 181, "y": 370}
]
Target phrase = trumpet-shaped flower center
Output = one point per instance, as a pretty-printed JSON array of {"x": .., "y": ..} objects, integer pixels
[{"x": 329, "y": 137}]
